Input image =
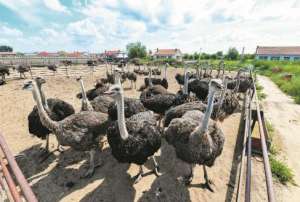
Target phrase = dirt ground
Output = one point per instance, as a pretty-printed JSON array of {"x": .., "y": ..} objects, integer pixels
[
  {"x": 58, "y": 178},
  {"x": 284, "y": 115}
]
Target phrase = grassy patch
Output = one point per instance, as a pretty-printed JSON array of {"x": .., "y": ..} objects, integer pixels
[
  {"x": 259, "y": 89},
  {"x": 281, "y": 171}
]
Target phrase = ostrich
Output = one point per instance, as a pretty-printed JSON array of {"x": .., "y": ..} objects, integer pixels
[
  {"x": 240, "y": 84},
  {"x": 91, "y": 94},
  {"x": 155, "y": 81},
  {"x": 196, "y": 138},
  {"x": 22, "y": 69},
  {"x": 131, "y": 106},
  {"x": 79, "y": 131},
  {"x": 85, "y": 104},
  {"x": 135, "y": 139},
  {"x": 4, "y": 70},
  {"x": 53, "y": 68},
  {"x": 131, "y": 76},
  {"x": 57, "y": 109},
  {"x": 2, "y": 82}
]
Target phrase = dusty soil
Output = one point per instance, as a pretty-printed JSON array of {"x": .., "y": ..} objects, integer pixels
[
  {"x": 284, "y": 115},
  {"x": 58, "y": 178}
]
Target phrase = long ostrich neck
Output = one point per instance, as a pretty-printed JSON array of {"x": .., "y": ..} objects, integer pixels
[
  {"x": 86, "y": 105},
  {"x": 117, "y": 78},
  {"x": 45, "y": 119},
  {"x": 43, "y": 97},
  {"x": 150, "y": 78},
  {"x": 165, "y": 74},
  {"x": 186, "y": 83},
  {"x": 121, "y": 118},
  {"x": 209, "y": 109}
]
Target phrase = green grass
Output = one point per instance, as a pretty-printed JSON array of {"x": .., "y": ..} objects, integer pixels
[
  {"x": 281, "y": 171},
  {"x": 275, "y": 70}
]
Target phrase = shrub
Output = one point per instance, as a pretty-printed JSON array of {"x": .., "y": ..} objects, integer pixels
[{"x": 281, "y": 171}]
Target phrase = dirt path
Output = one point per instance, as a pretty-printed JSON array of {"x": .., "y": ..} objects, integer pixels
[{"x": 284, "y": 114}]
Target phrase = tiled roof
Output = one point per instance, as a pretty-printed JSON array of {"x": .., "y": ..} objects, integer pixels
[{"x": 287, "y": 50}]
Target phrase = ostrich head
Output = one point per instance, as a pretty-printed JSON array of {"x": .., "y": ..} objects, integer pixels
[
  {"x": 28, "y": 85},
  {"x": 215, "y": 85},
  {"x": 40, "y": 81},
  {"x": 79, "y": 78},
  {"x": 115, "y": 91}
]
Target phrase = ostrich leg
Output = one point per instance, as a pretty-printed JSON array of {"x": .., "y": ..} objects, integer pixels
[
  {"x": 91, "y": 168},
  {"x": 208, "y": 182},
  {"x": 156, "y": 167},
  {"x": 139, "y": 176}
]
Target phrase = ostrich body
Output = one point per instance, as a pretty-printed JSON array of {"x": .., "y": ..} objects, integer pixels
[
  {"x": 57, "y": 109},
  {"x": 91, "y": 94},
  {"x": 79, "y": 131},
  {"x": 132, "y": 78},
  {"x": 156, "y": 81},
  {"x": 4, "y": 70},
  {"x": 52, "y": 68},
  {"x": 131, "y": 106},
  {"x": 135, "y": 139},
  {"x": 196, "y": 138},
  {"x": 22, "y": 69}
]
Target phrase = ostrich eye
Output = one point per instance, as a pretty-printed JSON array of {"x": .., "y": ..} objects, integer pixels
[{"x": 117, "y": 89}]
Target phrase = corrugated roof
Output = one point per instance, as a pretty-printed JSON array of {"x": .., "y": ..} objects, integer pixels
[
  {"x": 284, "y": 50},
  {"x": 163, "y": 52}
]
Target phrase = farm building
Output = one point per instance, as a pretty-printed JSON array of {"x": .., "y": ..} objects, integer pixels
[
  {"x": 115, "y": 55},
  {"x": 168, "y": 54},
  {"x": 6, "y": 54},
  {"x": 287, "y": 53}
]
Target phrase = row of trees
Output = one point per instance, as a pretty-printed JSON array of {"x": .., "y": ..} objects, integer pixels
[
  {"x": 138, "y": 50},
  {"x": 4, "y": 48},
  {"x": 232, "y": 54}
]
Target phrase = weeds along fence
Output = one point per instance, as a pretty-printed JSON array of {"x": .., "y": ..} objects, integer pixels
[{"x": 252, "y": 115}]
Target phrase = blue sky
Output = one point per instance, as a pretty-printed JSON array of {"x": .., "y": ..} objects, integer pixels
[{"x": 191, "y": 25}]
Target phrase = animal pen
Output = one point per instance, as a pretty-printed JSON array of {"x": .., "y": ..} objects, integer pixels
[{"x": 15, "y": 187}]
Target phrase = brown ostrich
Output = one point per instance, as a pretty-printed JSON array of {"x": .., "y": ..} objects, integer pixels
[
  {"x": 196, "y": 138},
  {"x": 79, "y": 131}
]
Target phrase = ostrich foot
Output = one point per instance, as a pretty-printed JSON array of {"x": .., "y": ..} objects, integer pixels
[
  {"x": 139, "y": 176},
  {"x": 208, "y": 182}
]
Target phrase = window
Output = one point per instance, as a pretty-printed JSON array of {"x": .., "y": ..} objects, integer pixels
[
  {"x": 275, "y": 58},
  {"x": 263, "y": 57},
  {"x": 297, "y": 58},
  {"x": 286, "y": 58}
]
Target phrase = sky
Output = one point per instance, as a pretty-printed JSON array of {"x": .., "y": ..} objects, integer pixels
[{"x": 190, "y": 25}]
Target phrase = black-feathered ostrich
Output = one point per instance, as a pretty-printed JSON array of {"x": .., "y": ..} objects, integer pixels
[
  {"x": 225, "y": 105},
  {"x": 4, "y": 70},
  {"x": 196, "y": 138},
  {"x": 52, "y": 68},
  {"x": 91, "y": 94},
  {"x": 79, "y": 131},
  {"x": 155, "y": 81},
  {"x": 131, "y": 76},
  {"x": 57, "y": 109},
  {"x": 241, "y": 83},
  {"x": 131, "y": 106},
  {"x": 22, "y": 69},
  {"x": 135, "y": 139}
]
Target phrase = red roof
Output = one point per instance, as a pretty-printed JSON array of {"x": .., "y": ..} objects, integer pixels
[
  {"x": 112, "y": 52},
  {"x": 44, "y": 54},
  {"x": 166, "y": 52},
  {"x": 284, "y": 50},
  {"x": 74, "y": 54}
]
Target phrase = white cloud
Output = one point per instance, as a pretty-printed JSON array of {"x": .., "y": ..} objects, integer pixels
[
  {"x": 190, "y": 24},
  {"x": 55, "y": 5}
]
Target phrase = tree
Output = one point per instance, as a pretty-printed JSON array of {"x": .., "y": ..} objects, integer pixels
[
  {"x": 5, "y": 48},
  {"x": 185, "y": 56},
  {"x": 219, "y": 54},
  {"x": 136, "y": 50},
  {"x": 232, "y": 54}
]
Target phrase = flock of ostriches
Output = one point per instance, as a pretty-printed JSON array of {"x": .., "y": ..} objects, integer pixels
[{"x": 135, "y": 127}]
